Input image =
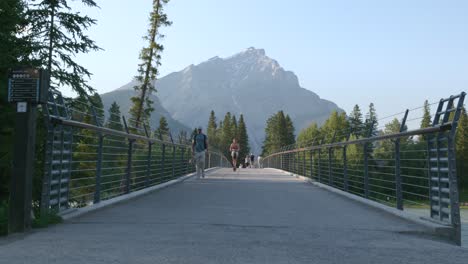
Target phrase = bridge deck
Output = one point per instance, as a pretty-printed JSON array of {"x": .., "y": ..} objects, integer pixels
[{"x": 254, "y": 216}]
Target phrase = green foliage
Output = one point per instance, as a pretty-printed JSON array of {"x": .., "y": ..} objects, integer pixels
[
  {"x": 150, "y": 57},
  {"x": 57, "y": 36},
  {"x": 372, "y": 122},
  {"x": 212, "y": 130},
  {"x": 355, "y": 121},
  {"x": 426, "y": 121},
  {"x": 335, "y": 128},
  {"x": 462, "y": 152},
  {"x": 44, "y": 221},
  {"x": 279, "y": 132},
  {"x": 243, "y": 137},
  {"x": 163, "y": 128},
  {"x": 310, "y": 135},
  {"x": 13, "y": 51}
]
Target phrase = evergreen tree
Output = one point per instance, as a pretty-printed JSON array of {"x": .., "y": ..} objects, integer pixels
[
  {"x": 426, "y": 121},
  {"x": 57, "y": 37},
  {"x": 243, "y": 137},
  {"x": 163, "y": 128},
  {"x": 13, "y": 51},
  {"x": 279, "y": 132},
  {"x": 234, "y": 126},
  {"x": 150, "y": 57},
  {"x": 371, "y": 122},
  {"x": 290, "y": 138},
  {"x": 211, "y": 131},
  {"x": 356, "y": 123},
  {"x": 227, "y": 134},
  {"x": 114, "y": 121}
]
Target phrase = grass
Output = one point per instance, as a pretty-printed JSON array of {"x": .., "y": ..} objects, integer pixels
[{"x": 44, "y": 221}]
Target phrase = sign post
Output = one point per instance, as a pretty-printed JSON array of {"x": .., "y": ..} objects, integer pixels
[{"x": 26, "y": 88}]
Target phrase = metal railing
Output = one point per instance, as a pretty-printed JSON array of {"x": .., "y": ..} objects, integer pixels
[
  {"x": 90, "y": 158},
  {"x": 409, "y": 170}
]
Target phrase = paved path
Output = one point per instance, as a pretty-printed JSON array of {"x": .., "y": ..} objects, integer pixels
[{"x": 255, "y": 216}]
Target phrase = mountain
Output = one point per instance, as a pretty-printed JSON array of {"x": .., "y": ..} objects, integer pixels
[
  {"x": 250, "y": 83},
  {"x": 122, "y": 97}
]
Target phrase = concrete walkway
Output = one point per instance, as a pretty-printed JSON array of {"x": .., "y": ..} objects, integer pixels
[{"x": 254, "y": 216}]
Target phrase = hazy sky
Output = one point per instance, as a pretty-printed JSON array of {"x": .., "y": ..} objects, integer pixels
[{"x": 395, "y": 53}]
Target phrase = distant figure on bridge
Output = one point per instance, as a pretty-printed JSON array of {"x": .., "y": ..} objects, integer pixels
[
  {"x": 234, "y": 149},
  {"x": 252, "y": 160},
  {"x": 199, "y": 148}
]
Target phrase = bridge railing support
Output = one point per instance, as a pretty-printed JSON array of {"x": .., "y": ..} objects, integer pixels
[
  {"x": 412, "y": 170},
  {"x": 111, "y": 156}
]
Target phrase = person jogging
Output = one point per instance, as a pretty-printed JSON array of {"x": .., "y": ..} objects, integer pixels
[
  {"x": 234, "y": 149},
  {"x": 199, "y": 147}
]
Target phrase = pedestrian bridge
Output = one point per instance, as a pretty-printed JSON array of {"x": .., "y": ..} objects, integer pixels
[{"x": 248, "y": 216}]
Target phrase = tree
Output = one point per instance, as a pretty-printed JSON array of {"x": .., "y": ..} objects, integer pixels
[
  {"x": 289, "y": 138},
  {"x": 372, "y": 122},
  {"x": 279, "y": 132},
  {"x": 227, "y": 134},
  {"x": 335, "y": 128},
  {"x": 234, "y": 126},
  {"x": 212, "y": 130},
  {"x": 309, "y": 135},
  {"x": 355, "y": 121},
  {"x": 243, "y": 137},
  {"x": 150, "y": 57},
  {"x": 114, "y": 121},
  {"x": 13, "y": 51},
  {"x": 163, "y": 128},
  {"x": 57, "y": 37},
  {"x": 426, "y": 121}
]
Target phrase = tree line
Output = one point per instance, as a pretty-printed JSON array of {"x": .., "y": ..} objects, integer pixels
[
  {"x": 342, "y": 127},
  {"x": 49, "y": 34},
  {"x": 220, "y": 134}
]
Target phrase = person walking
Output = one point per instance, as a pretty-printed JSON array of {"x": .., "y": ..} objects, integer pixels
[
  {"x": 199, "y": 148},
  {"x": 234, "y": 149},
  {"x": 252, "y": 160},
  {"x": 259, "y": 161}
]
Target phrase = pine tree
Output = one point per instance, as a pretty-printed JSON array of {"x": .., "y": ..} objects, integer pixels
[
  {"x": 279, "y": 132},
  {"x": 243, "y": 137},
  {"x": 211, "y": 131},
  {"x": 148, "y": 68},
  {"x": 371, "y": 122},
  {"x": 163, "y": 128},
  {"x": 234, "y": 126},
  {"x": 290, "y": 138},
  {"x": 114, "y": 121},
  {"x": 58, "y": 36},
  {"x": 355, "y": 120},
  {"x": 227, "y": 134},
  {"x": 426, "y": 121},
  {"x": 13, "y": 51}
]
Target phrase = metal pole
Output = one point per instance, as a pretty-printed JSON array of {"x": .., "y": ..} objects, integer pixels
[
  {"x": 366, "y": 172},
  {"x": 97, "y": 188},
  {"x": 19, "y": 219},
  {"x": 129, "y": 158},
  {"x": 398, "y": 180}
]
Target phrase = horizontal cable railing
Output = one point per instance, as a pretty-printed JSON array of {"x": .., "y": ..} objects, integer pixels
[
  {"x": 410, "y": 170},
  {"x": 90, "y": 159}
]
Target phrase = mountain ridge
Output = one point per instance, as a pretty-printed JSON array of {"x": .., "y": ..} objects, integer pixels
[{"x": 249, "y": 83}]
